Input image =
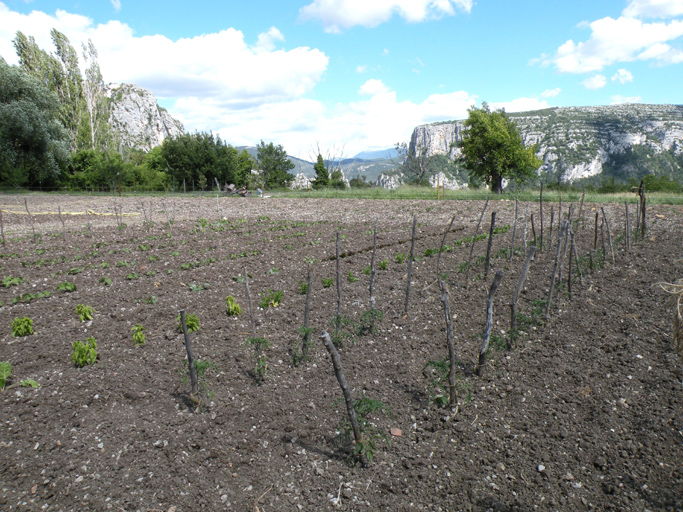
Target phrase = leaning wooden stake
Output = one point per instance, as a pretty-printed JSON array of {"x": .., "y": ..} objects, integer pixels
[
  {"x": 490, "y": 244},
  {"x": 533, "y": 229},
  {"x": 526, "y": 215},
  {"x": 2, "y": 228},
  {"x": 579, "y": 221},
  {"x": 489, "y": 322},
  {"x": 251, "y": 306},
  {"x": 628, "y": 229},
  {"x": 576, "y": 260},
  {"x": 563, "y": 229},
  {"x": 350, "y": 410},
  {"x": 372, "y": 266},
  {"x": 474, "y": 239},
  {"x": 190, "y": 358},
  {"x": 595, "y": 233},
  {"x": 520, "y": 283},
  {"x": 552, "y": 221},
  {"x": 410, "y": 265},
  {"x": 453, "y": 395},
  {"x": 514, "y": 231},
  {"x": 443, "y": 241},
  {"x": 540, "y": 212},
  {"x": 59, "y": 212},
  {"x": 87, "y": 216},
  {"x": 609, "y": 234},
  {"x": 642, "y": 213},
  {"x": 635, "y": 233},
  {"x": 30, "y": 218},
  {"x": 564, "y": 250}
]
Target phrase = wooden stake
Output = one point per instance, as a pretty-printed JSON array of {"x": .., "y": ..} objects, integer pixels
[
  {"x": 410, "y": 265},
  {"x": 540, "y": 213},
  {"x": 533, "y": 229},
  {"x": 514, "y": 231},
  {"x": 59, "y": 212},
  {"x": 520, "y": 283},
  {"x": 490, "y": 244},
  {"x": 489, "y": 322},
  {"x": 552, "y": 221},
  {"x": 251, "y": 305},
  {"x": 628, "y": 229},
  {"x": 474, "y": 239},
  {"x": 453, "y": 395},
  {"x": 372, "y": 266},
  {"x": 190, "y": 358},
  {"x": 30, "y": 220},
  {"x": 609, "y": 234},
  {"x": 2, "y": 228},
  {"x": 580, "y": 219},
  {"x": 307, "y": 308},
  {"x": 595, "y": 232},
  {"x": 563, "y": 229}
]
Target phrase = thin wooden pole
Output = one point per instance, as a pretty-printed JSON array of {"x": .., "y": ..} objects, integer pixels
[
  {"x": 563, "y": 229},
  {"x": 190, "y": 358},
  {"x": 372, "y": 266},
  {"x": 595, "y": 233},
  {"x": 410, "y": 265},
  {"x": 474, "y": 239},
  {"x": 628, "y": 229},
  {"x": 490, "y": 244},
  {"x": 520, "y": 283},
  {"x": 540, "y": 213},
  {"x": 30, "y": 218},
  {"x": 59, "y": 212},
  {"x": 489, "y": 322},
  {"x": 514, "y": 231},
  {"x": 533, "y": 228},
  {"x": 2, "y": 228},
  {"x": 609, "y": 234}
]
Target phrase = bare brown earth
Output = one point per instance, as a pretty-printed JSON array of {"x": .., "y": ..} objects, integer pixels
[{"x": 584, "y": 412}]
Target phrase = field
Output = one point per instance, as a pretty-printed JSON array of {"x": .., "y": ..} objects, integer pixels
[{"x": 583, "y": 411}]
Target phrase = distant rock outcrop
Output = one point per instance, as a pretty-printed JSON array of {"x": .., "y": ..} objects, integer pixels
[
  {"x": 626, "y": 141},
  {"x": 137, "y": 120},
  {"x": 300, "y": 182},
  {"x": 389, "y": 182}
]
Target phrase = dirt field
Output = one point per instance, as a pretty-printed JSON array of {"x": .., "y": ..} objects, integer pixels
[{"x": 583, "y": 412}]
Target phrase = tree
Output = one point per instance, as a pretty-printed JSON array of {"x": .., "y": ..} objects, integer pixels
[
  {"x": 322, "y": 179},
  {"x": 493, "y": 150},
  {"x": 199, "y": 157},
  {"x": 34, "y": 147},
  {"x": 417, "y": 165},
  {"x": 95, "y": 99},
  {"x": 275, "y": 165},
  {"x": 245, "y": 163}
]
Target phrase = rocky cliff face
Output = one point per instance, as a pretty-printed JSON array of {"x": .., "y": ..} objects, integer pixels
[
  {"x": 137, "y": 119},
  {"x": 620, "y": 141}
]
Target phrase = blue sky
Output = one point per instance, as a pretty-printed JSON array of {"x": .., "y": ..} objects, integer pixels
[{"x": 350, "y": 75}]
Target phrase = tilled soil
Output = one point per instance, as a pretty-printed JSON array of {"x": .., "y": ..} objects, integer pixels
[{"x": 580, "y": 412}]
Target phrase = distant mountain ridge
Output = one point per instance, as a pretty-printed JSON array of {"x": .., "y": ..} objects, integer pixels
[{"x": 585, "y": 144}]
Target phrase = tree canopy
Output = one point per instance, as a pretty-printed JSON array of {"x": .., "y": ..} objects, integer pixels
[
  {"x": 493, "y": 150},
  {"x": 322, "y": 178},
  {"x": 275, "y": 165}
]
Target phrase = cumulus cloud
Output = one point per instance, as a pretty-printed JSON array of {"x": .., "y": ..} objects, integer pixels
[
  {"x": 618, "y": 99},
  {"x": 116, "y": 4},
  {"x": 339, "y": 15},
  {"x": 551, "y": 93},
  {"x": 653, "y": 9},
  {"x": 266, "y": 40},
  {"x": 372, "y": 87},
  {"x": 623, "y": 76},
  {"x": 594, "y": 82},
  {"x": 625, "y": 39}
]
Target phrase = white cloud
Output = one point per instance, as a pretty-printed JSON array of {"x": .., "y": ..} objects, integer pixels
[
  {"x": 338, "y": 15},
  {"x": 653, "y": 8},
  {"x": 116, "y": 4},
  {"x": 618, "y": 99},
  {"x": 595, "y": 82},
  {"x": 619, "y": 40},
  {"x": 623, "y": 76},
  {"x": 551, "y": 93},
  {"x": 361, "y": 69},
  {"x": 266, "y": 40},
  {"x": 372, "y": 87}
]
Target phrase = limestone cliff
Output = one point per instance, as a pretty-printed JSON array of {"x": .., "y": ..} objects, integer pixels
[
  {"x": 137, "y": 120},
  {"x": 619, "y": 141}
]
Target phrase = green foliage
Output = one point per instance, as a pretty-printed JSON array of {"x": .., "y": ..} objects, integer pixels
[
  {"x": 105, "y": 281},
  {"x": 194, "y": 287},
  {"x": 261, "y": 366},
  {"x": 303, "y": 288},
  {"x": 368, "y": 319},
  {"x": 84, "y": 353},
  {"x": 271, "y": 299},
  {"x": 84, "y": 312},
  {"x": 327, "y": 282},
  {"x": 343, "y": 330},
  {"x": 139, "y": 337},
  {"x": 275, "y": 164},
  {"x": 192, "y": 323},
  {"x": 366, "y": 412},
  {"x": 400, "y": 257},
  {"x": 22, "y": 326},
  {"x": 200, "y": 368},
  {"x": 232, "y": 308},
  {"x": 6, "y": 371},
  {"x": 66, "y": 286},
  {"x": 439, "y": 388},
  {"x": 132, "y": 276},
  {"x": 383, "y": 264},
  {"x": 152, "y": 299},
  {"x": 301, "y": 356},
  {"x": 367, "y": 270},
  {"x": 322, "y": 179},
  {"x": 11, "y": 281},
  {"x": 492, "y": 149},
  {"x": 352, "y": 279},
  {"x": 75, "y": 270},
  {"x": 25, "y": 298}
]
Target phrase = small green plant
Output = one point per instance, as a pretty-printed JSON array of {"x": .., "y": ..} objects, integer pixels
[
  {"x": 439, "y": 388},
  {"x": 200, "y": 367},
  {"x": 175, "y": 253},
  {"x": 328, "y": 282},
  {"x": 271, "y": 299},
  {"x": 383, "y": 264},
  {"x": 232, "y": 308},
  {"x": 84, "y": 352},
  {"x": 367, "y": 270},
  {"x": 132, "y": 276},
  {"x": 25, "y": 298},
  {"x": 44, "y": 294},
  {"x": 105, "y": 281},
  {"x": 199, "y": 287},
  {"x": 352, "y": 279},
  {"x": 368, "y": 319},
  {"x": 273, "y": 270},
  {"x": 152, "y": 259},
  {"x": 139, "y": 337},
  {"x": 84, "y": 312},
  {"x": 105, "y": 265},
  {"x": 192, "y": 323},
  {"x": 75, "y": 270},
  {"x": 261, "y": 366},
  {"x": 400, "y": 257},
  {"x": 22, "y": 326},
  {"x": 297, "y": 355},
  {"x": 6, "y": 371},
  {"x": 343, "y": 329},
  {"x": 366, "y": 408},
  {"x": 303, "y": 288},
  {"x": 11, "y": 281},
  {"x": 66, "y": 287},
  {"x": 152, "y": 299}
]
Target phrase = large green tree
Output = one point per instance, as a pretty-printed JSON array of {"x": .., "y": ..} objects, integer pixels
[
  {"x": 34, "y": 146},
  {"x": 275, "y": 165},
  {"x": 492, "y": 149},
  {"x": 322, "y": 178}
]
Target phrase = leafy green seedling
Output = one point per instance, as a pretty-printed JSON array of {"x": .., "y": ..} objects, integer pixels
[
  {"x": 66, "y": 286},
  {"x": 192, "y": 323},
  {"x": 261, "y": 367},
  {"x": 233, "y": 309},
  {"x": 303, "y": 288},
  {"x": 199, "y": 287},
  {"x": 11, "y": 281},
  {"x": 22, "y": 326},
  {"x": 383, "y": 264},
  {"x": 153, "y": 299},
  {"x": 328, "y": 282},
  {"x": 132, "y": 276},
  {"x": 368, "y": 319},
  {"x": 352, "y": 279},
  {"x": 271, "y": 299},
  {"x": 75, "y": 270},
  {"x": 400, "y": 257},
  {"x": 139, "y": 337},
  {"x": 367, "y": 270},
  {"x": 84, "y": 353},
  {"x": 6, "y": 371},
  {"x": 84, "y": 312},
  {"x": 105, "y": 281}
]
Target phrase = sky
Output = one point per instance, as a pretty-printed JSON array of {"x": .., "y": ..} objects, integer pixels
[{"x": 343, "y": 76}]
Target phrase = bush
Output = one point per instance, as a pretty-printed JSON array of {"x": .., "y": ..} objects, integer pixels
[
  {"x": 139, "y": 337},
  {"x": 22, "y": 326},
  {"x": 271, "y": 299},
  {"x": 233, "y": 309},
  {"x": 192, "y": 323},
  {"x": 84, "y": 312},
  {"x": 66, "y": 286},
  {"x": 84, "y": 353}
]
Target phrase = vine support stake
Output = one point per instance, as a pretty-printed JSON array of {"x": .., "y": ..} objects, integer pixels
[
  {"x": 552, "y": 221},
  {"x": 372, "y": 266},
  {"x": 61, "y": 219},
  {"x": 30, "y": 218},
  {"x": 474, "y": 239},
  {"x": 453, "y": 395},
  {"x": 2, "y": 228},
  {"x": 490, "y": 244},
  {"x": 627, "y": 227},
  {"x": 520, "y": 283},
  {"x": 563, "y": 229},
  {"x": 190, "y": 358},
  {"x": 609, "y": 234},
  {"x": 540, "y": 212},
  {"x": 350, "y": 410},
  {"x": 307, "y": 308},
  {"x": 514, "y": 231},
  {"x": 410, "y": 265},
  {"x": 533, "y": 228},
  {"x": 576, "y": 260},
  {"x": 251, "y": 306},
  {"x": 489, "y": 322}
]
